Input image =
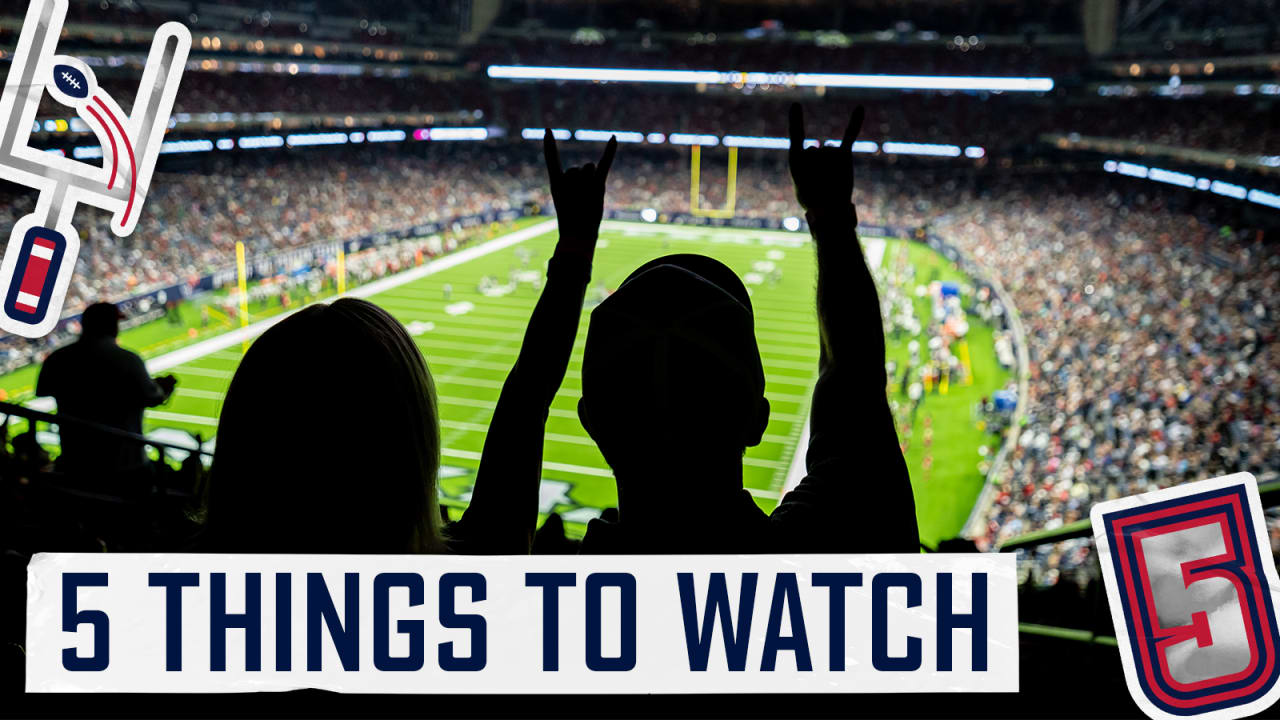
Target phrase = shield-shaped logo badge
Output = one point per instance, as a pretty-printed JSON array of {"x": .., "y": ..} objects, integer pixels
[{"x": 1193, "y": 590}]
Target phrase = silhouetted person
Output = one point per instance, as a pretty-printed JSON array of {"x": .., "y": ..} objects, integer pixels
[
  {"x": 328, "y": 441},
  {"x": 291, "y": 484},
  {"x": 673, "y": 394},
  {"x": 95, "y": 379},
  {"x": 503, "y": 510}
]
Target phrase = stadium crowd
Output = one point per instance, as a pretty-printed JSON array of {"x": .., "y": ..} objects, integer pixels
[
  {"x": 1194, "y": 300},
  {"x": 193, "y": 221},
  {"x": 1152, "y": 353}
]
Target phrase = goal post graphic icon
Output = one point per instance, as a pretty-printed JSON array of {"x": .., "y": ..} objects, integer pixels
[
  {"x": 695, "y": 181},
  {"x": 41, "y": 255}
]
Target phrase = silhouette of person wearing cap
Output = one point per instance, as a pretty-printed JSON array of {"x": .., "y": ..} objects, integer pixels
[
  {"x": 95, "y": 379},
  {"x": 673, "y": 392}
]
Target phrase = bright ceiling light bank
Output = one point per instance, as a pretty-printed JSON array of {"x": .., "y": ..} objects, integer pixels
[
  {"x": 1172, "y": 177},
  {"x": 299, "y": 140},
  {"x": 758, "y": 142},
  {"x": 718, "y": 77}
]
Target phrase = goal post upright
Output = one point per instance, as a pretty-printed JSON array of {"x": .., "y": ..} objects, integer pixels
[{"x": 695, "y": 181}]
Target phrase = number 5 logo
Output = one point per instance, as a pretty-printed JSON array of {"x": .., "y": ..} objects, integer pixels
[{"x": 1193, "y": 591}]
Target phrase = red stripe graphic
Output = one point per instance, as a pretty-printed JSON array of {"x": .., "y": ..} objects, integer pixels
[
  {"x": 133, "y": 168},
  {"x": 115, "y": 156}
]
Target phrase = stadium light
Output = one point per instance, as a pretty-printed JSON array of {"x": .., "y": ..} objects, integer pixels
[
  {"x": 309, "y": 139},
  {"x": 691, "y": 139},
  {"x": 1131, "y": 169},
  {"x": 537, "y": 133},
  {"x": 731, "y": 77},
  {"x": 1264, "y": 198},
  {"x": 1173, "y": 177},
  {"x": 768, "y": 143},
  {"x": 186, "y": 146},
  {"x": 925, "y": 82},
  {"x": 380, "y": 136},
  {"x": 782, "y": 143},
  {"x": 261, "y": 142},
  {"x": 759, "y": 142},
  {"x": 1232, "y": 190},
  {"x": 604, "y": 135},
  {"x": 452, "y": 133},
  {"x": 684, "y": 77},
  {"x": 907, "y": 148}
]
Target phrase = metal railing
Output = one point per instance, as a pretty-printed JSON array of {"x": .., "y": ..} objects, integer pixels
[
  {"x": 1270, "y": 495},
  {"x": 33, "y": 416},
  {"x": 1269, "y": 491}
]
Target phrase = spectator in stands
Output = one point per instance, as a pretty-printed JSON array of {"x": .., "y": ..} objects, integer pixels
[
  {"x": 96, "y": 380},
  {"x": 673, "y": 394},
  {"x": 376, "y": 491},
  {"x": 337, "y": 454}
]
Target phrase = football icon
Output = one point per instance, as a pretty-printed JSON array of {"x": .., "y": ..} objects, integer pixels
[{"x": 73, "y": 82}]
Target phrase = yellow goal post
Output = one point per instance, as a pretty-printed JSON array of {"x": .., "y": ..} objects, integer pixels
[{"x": 695, "y": 179}]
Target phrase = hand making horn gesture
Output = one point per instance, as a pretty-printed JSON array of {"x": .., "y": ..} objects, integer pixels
[
  {"x": 823, "y": 175},
  {"x": 578, "y": 194}
]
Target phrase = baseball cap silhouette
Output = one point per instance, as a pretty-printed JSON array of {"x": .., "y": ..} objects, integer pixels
[{"x": 674, "y": 344}]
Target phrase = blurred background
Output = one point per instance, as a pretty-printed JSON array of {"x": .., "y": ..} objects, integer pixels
[{"x": 1076, "y": 206}]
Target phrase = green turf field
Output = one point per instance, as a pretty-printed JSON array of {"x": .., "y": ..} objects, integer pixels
[{"x": 471, "y": 339}]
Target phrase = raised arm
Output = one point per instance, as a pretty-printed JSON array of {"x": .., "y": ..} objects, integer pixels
[
  {"x": 504, "y": 504},
  {"x": 857, "y": 495}
]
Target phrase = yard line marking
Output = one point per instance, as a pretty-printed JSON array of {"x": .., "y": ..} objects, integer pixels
[
  {"x": 490, "y": 405},
  {"x": 573, "y": 378},
  {"x": 805, "y": 339},
  {"x": 235, "y": 337},
  {"x": 473, "y": 382},
  {"x": 472, "y": 346},
  {"x": 182, "y": 417},
  {"x": 451, "y": 361},
  {"x": 546, "y": 465},
  {"x": 202, "y": 394},
  {"x": 549, "y": 436},
  {"x": 483, "y": 307},
  {"x": 771, "y": 351},
  {"x": 425, "y": 338},
  {"x": 466, "y": 402},
  {"x": 798, "y": 468},
  {"x": 576, "y": 356},
  {"x": 202, "y": 372},
  {"x": 760, "y": 462}
]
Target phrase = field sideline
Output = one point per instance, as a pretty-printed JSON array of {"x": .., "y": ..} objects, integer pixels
[{"x": 470, "y": 340}]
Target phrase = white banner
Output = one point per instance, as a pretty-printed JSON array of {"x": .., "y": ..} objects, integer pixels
[{"x": 542, "y": 624}]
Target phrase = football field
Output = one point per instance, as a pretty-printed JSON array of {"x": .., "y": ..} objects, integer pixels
[{"x": 467, "y": 312}]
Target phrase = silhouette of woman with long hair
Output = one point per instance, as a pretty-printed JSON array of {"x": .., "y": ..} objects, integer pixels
[{"x": 328, "y": 441}]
